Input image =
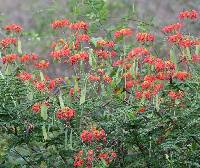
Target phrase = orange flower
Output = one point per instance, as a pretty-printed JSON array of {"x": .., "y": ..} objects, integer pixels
[
  {"x": 123, "y": 32},
  {"x": 60, "y": 23},
  {"x": 181, "y": 75}
]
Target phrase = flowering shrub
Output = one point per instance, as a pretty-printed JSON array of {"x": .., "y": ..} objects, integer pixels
[{"x": 124, "y": 105}]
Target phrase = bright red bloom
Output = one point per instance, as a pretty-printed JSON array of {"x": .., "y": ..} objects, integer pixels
[
  {"x": 40, "y": 86},
  {"x": 86, "y": 136},
  {"x": 15, "y": 28},
  {"x": 147, "y": 94},
  {"x": 9, "y": 58},
  {"x": 181, "y": 75},
  {"x": 25, "y": 58},
  {"x": 60, "y": 53},
  {"x": 24, "y": 76},
  {"x": 139, "y": 51},
  {"x": 129, "y": 84},
  {"x": 94, "y": 78},
  {"x": 172, "y": 27},
  {"x": 145, "y": 37},
  {"x": 60, "y": 23},
  {"x": 123, "y": 32},
  {"x": 176, "y": 95},
  {"x": 193, "y": 14},
  {"x": 186, "y": 43},
  {"x": 42, "y": 64},
  {"x": 159, "y": 64},
  {"x": 107, "y": 79},
  {"x": 79, "y": 26},
  {"x": 103, "y": 43},
  {"x": 8, "y": 41},
  {"x": 65, "y": 113},
  {"x": 78, "y": 163},
  {"x": 175, "y": 38},
  {"x": 36, "y": 107},
  {"x": 83, "y": 37},
  {"x": 157, "y": 88},
  {"x": 117, "y": 63},
  {"x": 52, "y": 84},
  {"x": 138, "y": 94},
  {"x": 146, "y": 85}
]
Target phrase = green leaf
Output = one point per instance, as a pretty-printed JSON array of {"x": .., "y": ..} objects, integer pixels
[
  {"x": 197, "y": 51},
  {"x": 44, "y": 132},
  {"x": 19, "y": 46},
  {"x": 44, "y": 114},
  {"x": 62, "y": 105},
  {"x": 83, "y": 94},
  {"x": 41, "y": 76}
]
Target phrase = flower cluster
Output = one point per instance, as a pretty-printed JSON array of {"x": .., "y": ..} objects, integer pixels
[
  {"x": 93, "y": 135},
  {"x": 145, "y": 37},
  {"x": 193, "y": 14},
  {"x": 65, "y": 113},
  {"x": 15, "y": 28}
]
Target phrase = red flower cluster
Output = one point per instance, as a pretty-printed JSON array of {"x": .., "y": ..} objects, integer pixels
[
  {"x": 15, "y": 28},
  {"x": 60, "y": 23},
  {"x": 181, "y": 75},
  {"x": 79, "y": 26},
  {"x": 145, "y": 37},
  {"x": 28, "y": 57},
  {"x": 78, "y": 57},
  {"x": 24, "y": 76},
  {"x": 93, "y": 78},
  {"x": 103, "y": 43},
  {"x": 176, "y": 95},
  {"x": 93, "y": 135},
  {"x": 107, "y": 156},
  {"x": 123, "y": 32},
  {"x": 172, "y": 27},
  {"x": 9, "y": 58},
  {"x": 8, "y": 41},
  {"x": 65, "y": 113},
  {"x": 176, "y": 38},
  {"x": 37, "y": 106},
  {"x": 139, "y": 51},
  {"x": 105, "y": 54},
  {"x": 60, "y": 53},
  {"x": 193, "y": 14},
  {"x": 43, "y": 64}
]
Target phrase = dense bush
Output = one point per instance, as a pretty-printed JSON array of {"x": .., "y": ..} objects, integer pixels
[{"x": 123, "y": 102}]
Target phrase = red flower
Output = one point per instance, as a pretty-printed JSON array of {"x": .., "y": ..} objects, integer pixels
[
  {"x": 172, "y": 27},
  {"x": 86, "y": 136},
  {"x": 94, "y": 78},
  {"x": 79, "y": 26},
  {"x": 36, "y": 107},
  {"x": 42, "y": 64},
  {"x": 60, "y": 53},
  {"x": 123, "y": 32},
  {"x": 8, "y": 41},
  {"x": 138, "y": 52},
  {"x": 16, "y": 28},
  {"x": 9, "y": 58},
  {"x": 176, "y": 95},
  {"x": 129, "y": 84},
  {"x": 145, "y": 37},
  {"x": 146, "y": 85},
  {"x": 175, "y": 38},
  {"x": 83, "y": 37},
  {"x": 107, "y": 79},
  {"x": 24, "y": 76},
  {"x": 60, "y": 23},
  {"x": 181, "y": 75},
  {"x": 78, "y": 163},
  {"x": 25, "y": 58},
  {"x": 65, "y": 113},
  {"x": 193, "y": 14},
  {"x": 40, "y": 86},
  {"x": 52, "y": 84}
]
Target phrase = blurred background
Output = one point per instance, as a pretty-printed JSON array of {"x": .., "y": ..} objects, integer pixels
[{"x": 36, "y": 16}]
